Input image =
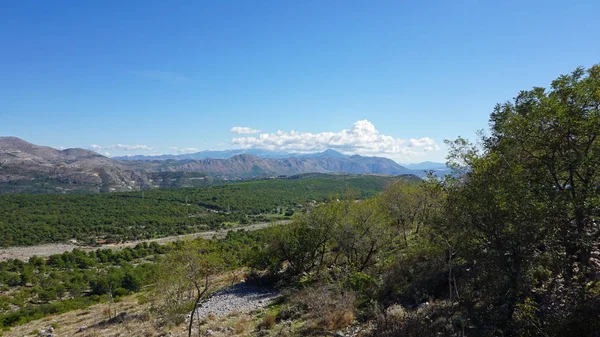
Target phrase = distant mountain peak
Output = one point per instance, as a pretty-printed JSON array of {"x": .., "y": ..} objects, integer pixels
[
  {"x": 332, "y": 153},
  {"x": 15, "y": 142}
]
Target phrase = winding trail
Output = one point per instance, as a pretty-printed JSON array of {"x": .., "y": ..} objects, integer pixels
[{"x": 45, "y": 250}]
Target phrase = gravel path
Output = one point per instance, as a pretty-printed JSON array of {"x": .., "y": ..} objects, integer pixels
[
  {"x": 45, "y": 250},
  {"x": 240, "y": 297}
]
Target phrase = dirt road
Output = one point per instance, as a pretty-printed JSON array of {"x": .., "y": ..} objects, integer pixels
[{"x": 24, "y": 253}]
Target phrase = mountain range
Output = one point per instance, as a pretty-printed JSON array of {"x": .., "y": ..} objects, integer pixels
[
  {"x": 226, "y": 154},
  {"x": 25, "y": 167}
]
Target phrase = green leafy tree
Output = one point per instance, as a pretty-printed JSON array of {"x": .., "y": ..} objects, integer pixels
[
  {"x": 304, "y": 243},
  {"x": 185, "y": 276},
  {"x": 553, "y": 136},
  {"x": 407, "y": 204},
  {"x": 362, "y": 233},
  {"x": 527, "y": 202}
]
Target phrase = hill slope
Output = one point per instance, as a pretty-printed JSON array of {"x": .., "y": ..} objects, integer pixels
[
  {"x": 25, "y": 167},
  {"x": 29, "y": 168},
  {"x": 245, "y": 165}
]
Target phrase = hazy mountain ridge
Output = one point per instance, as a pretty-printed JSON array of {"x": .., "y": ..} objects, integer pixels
[
  {"x": 226, "y": 154},
  {"x": 26, "y": 167},
  {"x": 245, "y": 165},
  {"x": 208, "y": 154}
]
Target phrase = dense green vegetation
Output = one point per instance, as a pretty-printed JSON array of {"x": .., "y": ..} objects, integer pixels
[
  {"x": 510, "y": 246},
  {"x": 34, "y": 219},
  {"x": 74, "y": 280},
  {"x": 71, "y": 280}
]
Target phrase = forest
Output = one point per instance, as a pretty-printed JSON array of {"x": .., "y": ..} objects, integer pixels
[{"x": 29, "y": 219}]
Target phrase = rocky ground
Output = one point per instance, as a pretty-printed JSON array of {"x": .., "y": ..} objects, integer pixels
[{"x": 240, "y": 297}]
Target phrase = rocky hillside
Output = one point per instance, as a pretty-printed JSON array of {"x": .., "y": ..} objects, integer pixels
[
  {"x": 25, "y": 167},
  {"x": 29, "y": 168},
  {"x": 246, "y": 165}
]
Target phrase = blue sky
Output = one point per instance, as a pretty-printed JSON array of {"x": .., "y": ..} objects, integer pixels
[{"x": 390, "y": 78}]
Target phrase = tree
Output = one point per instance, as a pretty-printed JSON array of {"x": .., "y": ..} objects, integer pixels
[
  {"x": 500, "y": 223},
  {"x": 362, "y": 233},
  {"x": 186, "y": 274},
  {"x": 411, "y": 204},
  {"x": 554, "y": 134},
  {"x": 304, "y": 242},
  {"x": 527, "y": 202}
]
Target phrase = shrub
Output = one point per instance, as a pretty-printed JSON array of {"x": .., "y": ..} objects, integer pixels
[
  {"x": 436, "y": 319},
  {"x": 267, "y": 322},
  {"x": 241, "y": 325},
  {"x": 120, "y": 292},
  {"x": 329, "y": 305},
  {"x": 361, "y": 283}
]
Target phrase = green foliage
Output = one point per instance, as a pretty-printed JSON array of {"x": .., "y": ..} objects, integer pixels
[
  {"x": 29, "y": 313},
  {"x": 184, "y": 276},
  {"x": 527, "y": 209},
  {"x": 506, "y": 246},
  {"x": 34, "y": 219},
  {"x": 360, "y": 282},
  {"x": 60, "y": 284}
]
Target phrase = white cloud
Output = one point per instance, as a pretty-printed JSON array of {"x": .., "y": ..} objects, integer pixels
[
  {"x": 361, "y": 138},
  {"x": 188, "y": 150},
  {"x": 99, "y": 148},
  {"x": 425, "y": 141},
  {"x": 244, "y": 130}
]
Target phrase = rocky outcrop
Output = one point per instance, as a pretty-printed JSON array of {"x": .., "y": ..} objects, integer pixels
[{"x": 25, "y": 167}]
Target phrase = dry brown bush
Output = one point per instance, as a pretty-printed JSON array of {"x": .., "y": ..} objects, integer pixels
[
  {"x": 268, "y": 322},
  {"x": 339, "y": 319},
  {"x": 330, "y": 306},
  {"x": 241, "y": 325},
  {"x": 435, "y": 319}
]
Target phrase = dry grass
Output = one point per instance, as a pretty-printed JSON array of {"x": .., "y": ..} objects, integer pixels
[
  {"x": 241, "y": 325},
  {"x": 139, "y": 322},
  {"x": 322, "y": 307},
  {"x": 94, "y": 322},
  {"x": 339, "y": 319},
  {"x": 268, "y": 322}
]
